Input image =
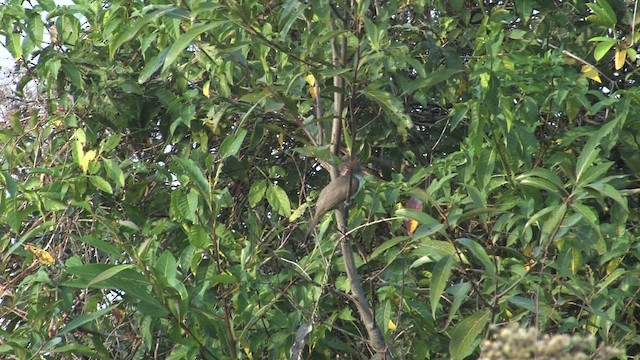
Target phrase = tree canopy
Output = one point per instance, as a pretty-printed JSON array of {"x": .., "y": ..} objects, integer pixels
[{"x": 160, "y": 161}]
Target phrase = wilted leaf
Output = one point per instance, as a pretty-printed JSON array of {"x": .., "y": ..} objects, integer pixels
[
  {"x": 42, "y": 255},
  {"x": 619, "y": 57},
  {"x": 591, "y": 73}
]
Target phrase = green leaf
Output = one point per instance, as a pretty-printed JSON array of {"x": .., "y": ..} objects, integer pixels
[
  {"x": 390, "y": 103},
  {"x": 428, "y": 229},
  {"x": 77, "y": 152},
  {"x": 52, "y": 344},
  {"x": 53, "y": 204},
  {"x": 110, "y": 143},
  {"x": 129, "y": 33},
  {"x": 256, "y": 192},
  {"x": 129, "y": 225},
  {"x": 479, "y": 199},
  {"x": 198, "y": 236},
  {"x": 460, "y": 293},
  {"x": 13, "y": 45},
  {"x": 432, "y": 79},
  {"x": 279, "y": 200},
  {"x": 517, "y": 34},
  {"x": 133, "y": 284},
  {"x": 439, "y": 279},
  {"x": 610, "y": 192},
  {"x": 85, "y": 319},
  {"x": 524, "y": 8},
  {"x": 184, "y": 206},
  {"x": 257, "y": 96},
  {"x": 152, "y": 66},
  {"x": 419, "y": 216},
  {"x": 534, "y": 218},
  {"x": 603, "y": 48},
  {"x": 434, "y": 249},
  {"x": 551, "y": 225},
  {"x": 10, "y": 185},
  {"x": 185, "y": 40},
  {"x": 87, "y": 161},
  {"x": 589, "y": 151},
  {"x": 428, "y": 225},
  {"x": 196, "y": 175},
  {"x": 610, "y": 279},
  {"x": 543, "y": 179},
  {"x": 588, "y": 214},
  {"x": 603, "y": 14},
  {"x": 226, "y": 279},
  {"x": 167, "y": 267},
  {"x": 100, "y": 244},
  {"x": 101, "y": 184},
  {"x": 540, "y": 183},
  {"x": 485, "y": 167},
  {"x": 542, "y": 308},
  {"x": 594, "y": 173},
  {"x": 299, "y": 212},
  {"x": 291, "y": 13},
  {"x": 109, "y": 273},
  {"x": 72, "y": 72},
  {"x": 465, "y": 336},
  {"x": 479, "y": 253},
  {"x": 114, "y": 171},
  {"x": 231, "y": 145},
  {"x": 35, "y": 27},
  {"x": 387, "y": 245}
]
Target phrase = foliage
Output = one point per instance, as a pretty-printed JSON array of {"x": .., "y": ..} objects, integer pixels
[{"x": 153, "y": 194}]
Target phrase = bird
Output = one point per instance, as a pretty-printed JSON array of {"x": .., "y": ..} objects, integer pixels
[{"x": 335, "y": 192}]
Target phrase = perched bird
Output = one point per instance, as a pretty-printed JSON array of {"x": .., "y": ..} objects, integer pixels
[{"x": 335, "y": 193}]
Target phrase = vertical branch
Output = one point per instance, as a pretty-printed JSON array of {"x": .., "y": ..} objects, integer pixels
[
  {"x": 339, "y": 59},
  {"x": 320, "y": 134}
]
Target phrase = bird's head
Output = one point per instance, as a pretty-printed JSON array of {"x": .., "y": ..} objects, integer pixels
[{"x": 349, "y": 163}]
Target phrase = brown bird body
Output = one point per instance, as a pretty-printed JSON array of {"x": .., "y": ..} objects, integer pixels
[{"x": 334, "y": 194}]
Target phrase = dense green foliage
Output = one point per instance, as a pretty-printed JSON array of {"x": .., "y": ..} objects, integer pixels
[{"x": 167, "y": 160}]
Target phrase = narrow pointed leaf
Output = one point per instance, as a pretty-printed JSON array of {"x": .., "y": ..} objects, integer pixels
[
  {"x": 439, "y": 279},
  {"x": 465, "y": 336}
]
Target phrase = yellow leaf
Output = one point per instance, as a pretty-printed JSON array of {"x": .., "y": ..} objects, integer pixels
[
  {"x": 281, "y": 139},
  {"x": 462, "y": 88},
  {"x": 313, "y": 92},
  {"x": 391, "y": 325},
  {"x": 529, "y": 264},
  {"x": 413, "y": 225},
  {"x": 612, "y": 265},
  {"x": 57, "y": 122},
  {"x": 40, "y": 254},
  {"x": 206, "y": 88},
  {"x": 86, "y": 159},
  {"x": 310, "y": 79},
  {"x": 619, "y": 57},
  {"x": 591, "y": 72},
  {"x": 484, "y": 80},
  {"x": 90, "y": 155},
  {"x": 576, "y": 260}
]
